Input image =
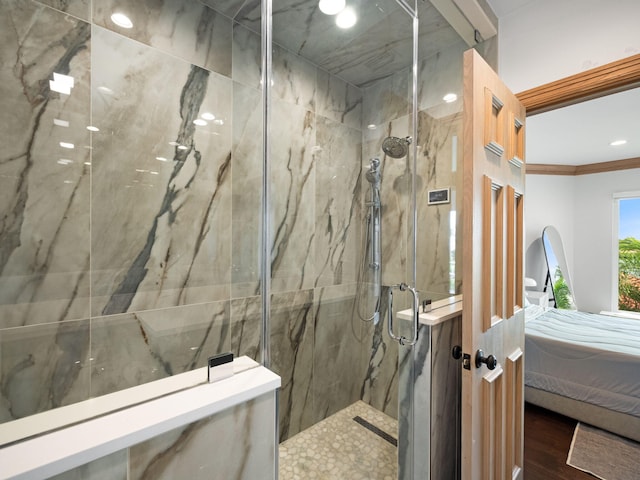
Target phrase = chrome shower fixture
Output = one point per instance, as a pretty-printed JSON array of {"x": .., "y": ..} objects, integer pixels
[
  {"x": 373, "y": 174},
  {"x": 396, "y": 147}
]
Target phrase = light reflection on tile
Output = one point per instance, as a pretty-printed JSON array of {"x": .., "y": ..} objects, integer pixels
[{"x": 182, "y": 28}]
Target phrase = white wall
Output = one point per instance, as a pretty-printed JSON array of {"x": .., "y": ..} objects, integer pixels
[
  {"x": 546, "y": 40},
  {"x": 581, "y": 208},
  {"x": 549, "y": 200}
]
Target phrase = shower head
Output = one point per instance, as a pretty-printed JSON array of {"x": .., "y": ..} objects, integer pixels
[
  {"x": 396, "y": 147},
  {"x": 373, "y": 174}
]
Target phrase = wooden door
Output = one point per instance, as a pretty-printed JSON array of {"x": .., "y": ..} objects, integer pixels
[{"x": 493, "y": 318}]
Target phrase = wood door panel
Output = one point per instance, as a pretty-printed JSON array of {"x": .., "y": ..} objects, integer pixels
[
  {"x": 493, "y": 318},
  {"x": 492, "y": 425}
]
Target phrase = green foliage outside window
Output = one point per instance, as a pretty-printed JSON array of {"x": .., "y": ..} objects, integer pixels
[
  {"x": 561, "y": 292},
  {"x": 629, "y": 274}
]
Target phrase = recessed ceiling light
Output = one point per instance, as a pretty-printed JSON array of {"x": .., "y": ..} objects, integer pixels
[
  {"x": 121, "y": 20},
  {"x": 161, "y": 159},
  {"x": 371, "y": 126},
  {"x": 450, "y": 97},
  {"x": 208, "y": 116},
  {"x": 183, "y": 147},
  {"x": 65, "y": 161},
  {"x": 200, "y": 122},
  {"x": 617, "y": 143},
  {"x": 347, "y": 18},
  {"x": 91, "y": 128},
  {"x": 67, "y": 145},
  {"x": 60, "y": 123},
  {"x": 331, "y": 7}
]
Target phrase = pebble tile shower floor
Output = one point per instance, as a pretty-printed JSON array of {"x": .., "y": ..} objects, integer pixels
[{"x": 340, "y": 447}]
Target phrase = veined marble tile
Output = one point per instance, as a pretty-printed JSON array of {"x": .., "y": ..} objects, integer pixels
[
  {"x": 294, "y": 79},
  {"x": 293, "y": 165},
  {"x": 186, "y": 29},
  {"x": 136, "y": 348},
  {"x": 77, "y": 8},
  {"x": 111, "y": 467},
  {"x": 338, "y": 363},
  {"x": 246, "y": 327},
  {"x": 337, "y": 202},
  {"x": 379, "y": 386},
  {"x": 379, "y": 44},
  {"x": 387, "y": 99},
  {"x": 44, "y": 182},
  {"x": 238, "y": 443},
  {"x": 247, "y": 179},
  {"x": 439, "y": 141},
  {"x": 161, "y": 185},
  {"x": 247, "y": 57},
  {"x": 43, "y": 367},
  {"x": 338, "y": 100},
  {"x": 445, "y": 401},
  {"x": 439, "y": 75},
  {"x": 292, "y": 358},
  {"x": 229, "y": 7}
]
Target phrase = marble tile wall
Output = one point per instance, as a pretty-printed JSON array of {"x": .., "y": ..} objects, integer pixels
[
  {"x": 430, "y": 390},
  {"x": 117, "y": 257},
  {"x": 195, "y": 450}
]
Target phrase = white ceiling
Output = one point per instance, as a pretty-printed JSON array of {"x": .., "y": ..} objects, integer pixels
[{"x": 580, "y": 134}]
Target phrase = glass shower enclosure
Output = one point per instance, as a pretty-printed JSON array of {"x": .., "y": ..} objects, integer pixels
[{"x": 228, "y": 175}]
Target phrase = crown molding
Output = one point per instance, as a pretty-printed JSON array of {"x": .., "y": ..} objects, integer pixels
[
  {"x": 615, "y": 165},
  {"x": 610, "y": 78}
]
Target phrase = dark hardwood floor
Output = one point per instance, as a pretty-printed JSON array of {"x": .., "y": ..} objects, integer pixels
[{"x": 547, "y": 438}]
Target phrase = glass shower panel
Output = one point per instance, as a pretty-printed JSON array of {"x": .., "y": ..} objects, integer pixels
[
  {"x": 337, "y": 93},
  {"x": 130, "y": 192}
]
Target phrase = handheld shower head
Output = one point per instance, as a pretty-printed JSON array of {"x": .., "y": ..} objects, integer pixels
[
  {"x": 396, "y": 147},
  {"x": 373, "y": 174}
]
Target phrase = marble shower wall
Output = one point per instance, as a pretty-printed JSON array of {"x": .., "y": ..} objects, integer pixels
[
  {"x": 136, "y": 255},
  {"x": 118, "y": 256}
]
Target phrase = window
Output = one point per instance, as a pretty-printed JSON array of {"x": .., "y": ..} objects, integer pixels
[{"x": 628, "y": 252}]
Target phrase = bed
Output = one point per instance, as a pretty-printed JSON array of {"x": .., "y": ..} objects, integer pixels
[{"x": 585, "y": 366}]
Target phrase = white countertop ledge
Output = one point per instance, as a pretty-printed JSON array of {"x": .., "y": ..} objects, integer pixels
[
  {"x": 75, "y": 445},
  {"x": 441, "y": 311}
]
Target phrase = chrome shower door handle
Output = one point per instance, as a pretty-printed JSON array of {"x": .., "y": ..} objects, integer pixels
[{"x": 402, "y": 340}]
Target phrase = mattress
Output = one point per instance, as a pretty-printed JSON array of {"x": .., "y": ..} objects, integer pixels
[{"x": 584, "y": 356}]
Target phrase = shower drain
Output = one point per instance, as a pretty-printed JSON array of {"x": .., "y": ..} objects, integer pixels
[{"x": 372, "y": 428}]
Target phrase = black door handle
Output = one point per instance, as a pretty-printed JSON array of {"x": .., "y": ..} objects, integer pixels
[
  {"x": 490, "y": 360},
  {"x": 456, "y": 352}
]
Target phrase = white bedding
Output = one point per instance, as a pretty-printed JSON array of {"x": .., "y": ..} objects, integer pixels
[{"x": 588, "y": 357}]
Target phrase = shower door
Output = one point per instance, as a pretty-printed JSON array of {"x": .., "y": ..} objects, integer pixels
[{"x": 337, "y": 92}]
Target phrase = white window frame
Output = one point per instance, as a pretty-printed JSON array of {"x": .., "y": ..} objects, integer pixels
[{"x": 615, "y": 250}]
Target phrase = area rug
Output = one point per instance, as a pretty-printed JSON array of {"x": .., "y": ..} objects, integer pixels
[{"x": 603, "y": 454}]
